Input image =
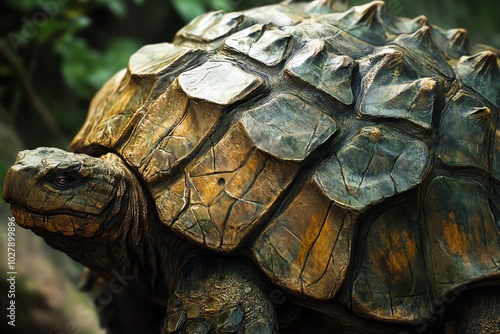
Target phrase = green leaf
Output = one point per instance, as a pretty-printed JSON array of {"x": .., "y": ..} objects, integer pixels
[
  {"x": 50, "y": 29},
  {"x": 78, "y": 62},
  {"x": 86, "y": 69}
]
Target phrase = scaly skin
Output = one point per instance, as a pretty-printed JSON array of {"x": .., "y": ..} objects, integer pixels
[
  {"x": 476, "y": 312},
  {"x": 220, "y": 295}
]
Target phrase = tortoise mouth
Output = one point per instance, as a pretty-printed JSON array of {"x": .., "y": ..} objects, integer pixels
[
  {"x": 64, "y": 222},
  {"x": 65, "y": 212}
]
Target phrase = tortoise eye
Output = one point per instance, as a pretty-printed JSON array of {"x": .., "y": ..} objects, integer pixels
[{"x": 62, "y": 182}]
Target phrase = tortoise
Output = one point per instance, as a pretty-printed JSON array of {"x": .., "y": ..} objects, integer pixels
[{"x": 294, "y": 168}]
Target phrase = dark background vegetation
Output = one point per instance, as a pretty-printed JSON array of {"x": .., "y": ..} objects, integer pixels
[{"x": 55, "y": 54}]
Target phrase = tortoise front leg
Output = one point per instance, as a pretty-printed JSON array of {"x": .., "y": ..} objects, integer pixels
[
  {"x": 475, "y": 312},
  {"x": 221, "y": 295}
]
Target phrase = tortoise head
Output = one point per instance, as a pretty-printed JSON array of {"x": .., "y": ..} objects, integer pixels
[
  {"x": 92, "y": 208},
  {"x": 55, "y": 192}
]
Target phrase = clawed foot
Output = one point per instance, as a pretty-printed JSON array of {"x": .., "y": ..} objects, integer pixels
[{"x": 223, "y": 296}]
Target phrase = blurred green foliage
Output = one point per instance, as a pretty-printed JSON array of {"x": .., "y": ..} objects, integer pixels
[{"x": 55, "y": 54}]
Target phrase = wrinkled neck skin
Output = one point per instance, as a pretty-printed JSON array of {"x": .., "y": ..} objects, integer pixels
[{"x": 132, "y": 241}]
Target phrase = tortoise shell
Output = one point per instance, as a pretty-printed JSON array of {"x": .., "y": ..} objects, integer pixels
[{"x": 355, "y": 154}]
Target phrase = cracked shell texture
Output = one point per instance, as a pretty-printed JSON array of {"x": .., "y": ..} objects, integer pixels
[
  {"x": 376, "y": 164},
  {"x": 354, "y": 154}
]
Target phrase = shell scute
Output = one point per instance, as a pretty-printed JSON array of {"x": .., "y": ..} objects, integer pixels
[
  {"x": 211, "y": 27},
  {"x": 454, "y": 42},
  {"x": 310, "y": 29},
  {"x": 377, "y": 163},
  {"x": 388, "y": 92},
  {"x": 156, "y": 59},
  {"x": 427, "y": 56},
  {"x": 464, "y": 239},
  {"x": 307, "y": 248},
  {"x": 278, "y": 15},
  {"x": 321, "y": 68},
  {"x": 218, "y": 82},
  {"x": 97, "y": 107},
  {"x": 464, "y": 137},
  {"x": 117, "y": 114},
  {"x": 260, "y": 42},
  {"x": 162, "y": 115},
  {"x": 481, "y": 73},
  {"x": 390, "y": 280},
  {"x": 363, "y": 22},
  {"x": 288, "y": 128}
]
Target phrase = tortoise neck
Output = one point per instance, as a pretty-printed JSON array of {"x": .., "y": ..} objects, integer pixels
[
  {"x": 142, "y": 245},
  {"x": 129, "y": 226}
]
